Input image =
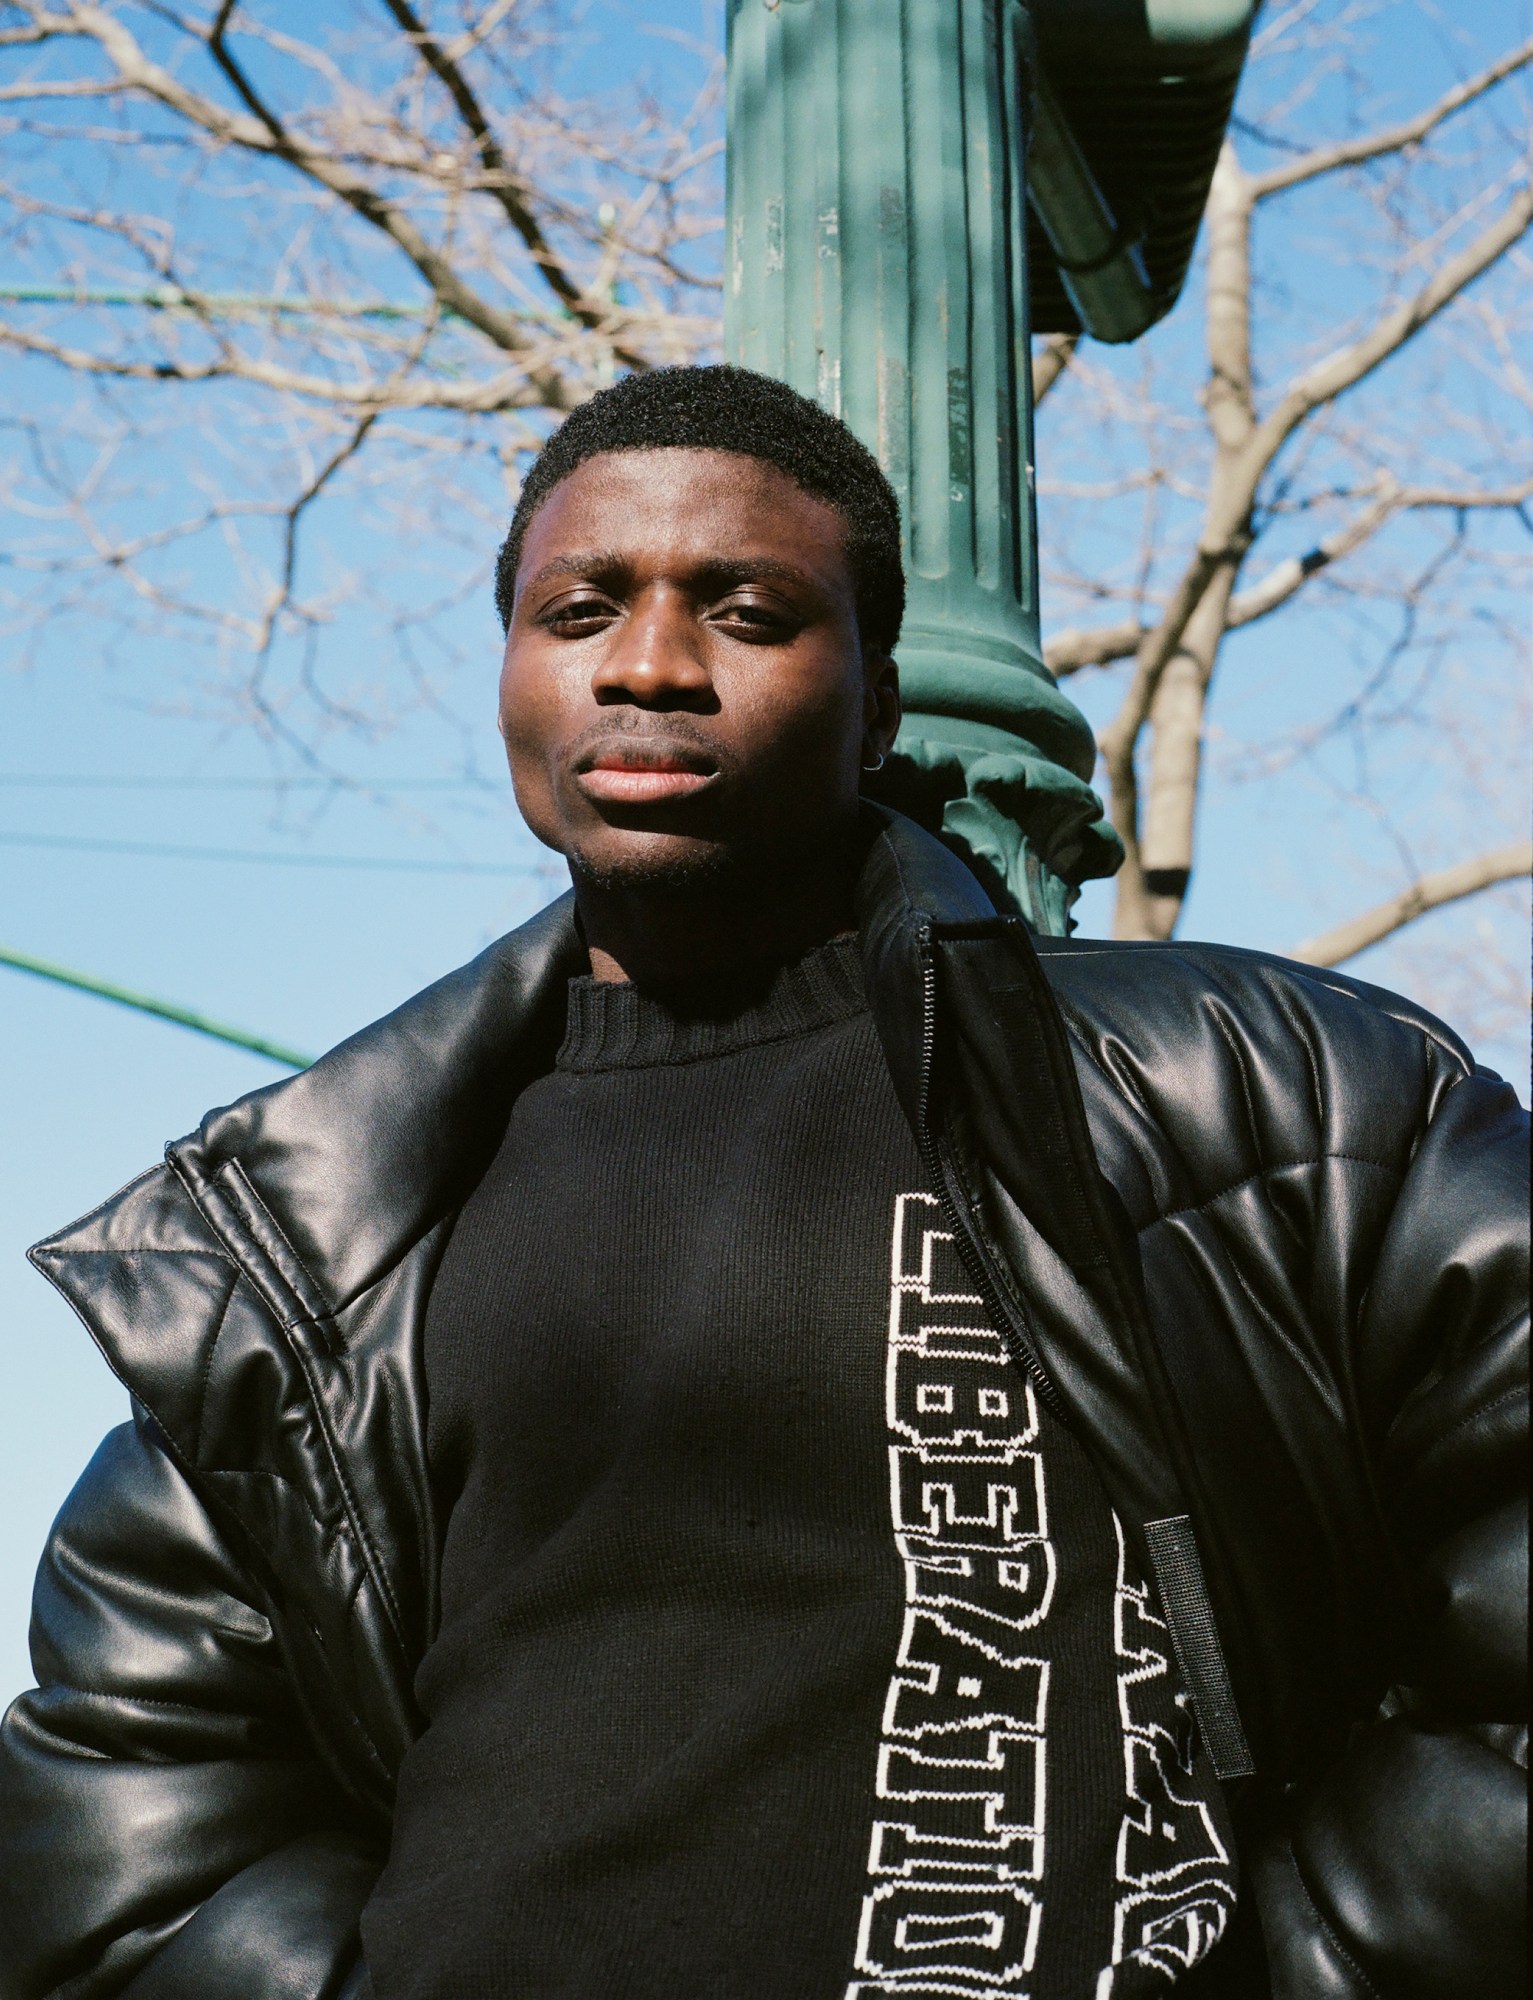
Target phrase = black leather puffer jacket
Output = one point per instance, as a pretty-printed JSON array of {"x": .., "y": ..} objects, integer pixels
[{"x": 1258, "y": 1230}]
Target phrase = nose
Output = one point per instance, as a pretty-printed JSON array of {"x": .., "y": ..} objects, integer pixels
[{"x": 656, "y": 656}]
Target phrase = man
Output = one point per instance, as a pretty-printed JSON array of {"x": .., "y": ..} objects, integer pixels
[{"x": 776, "y": 1437}]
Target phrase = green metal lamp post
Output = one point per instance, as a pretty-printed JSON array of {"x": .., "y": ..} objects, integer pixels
[{"x": 877, "y": 259}]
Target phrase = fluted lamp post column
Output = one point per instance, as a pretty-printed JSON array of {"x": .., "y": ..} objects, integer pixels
[{"x": 876, "y": 261}]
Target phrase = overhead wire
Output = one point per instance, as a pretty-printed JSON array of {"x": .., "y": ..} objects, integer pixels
[
  {"x": 106, "y": 781},
  {"x": 166, "y": 851},
  {"x": 165, "y": 1010}
]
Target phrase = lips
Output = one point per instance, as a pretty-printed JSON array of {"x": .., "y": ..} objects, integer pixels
[{"x": 643, "y": 773}]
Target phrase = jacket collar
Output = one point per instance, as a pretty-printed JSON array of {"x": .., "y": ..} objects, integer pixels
[{"x": 360, "y": 1155}]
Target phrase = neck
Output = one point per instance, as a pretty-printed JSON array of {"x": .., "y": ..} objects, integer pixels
[{"x": 669, "y": 937}]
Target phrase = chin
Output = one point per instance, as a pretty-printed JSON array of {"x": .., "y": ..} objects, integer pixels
[{"x": 654, "y": 867}]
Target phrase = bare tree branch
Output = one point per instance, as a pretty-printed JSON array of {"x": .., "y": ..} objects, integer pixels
[
  {"x": 1351, "y": 364},
  {"x": 331, "y": 173},
  {"x": 282, "y": 596},
  {"x": 499, "y": 179},
  {"x": 262, "y": 132},
  {"x": 274, "y": 180},
  {"x": 1429, "y": 892},
  {"x": 1286, "y": 578},
  {"x": 1093, "y": 646},
  {"x": 1394, "y": 138},
  {"x": 1050, "y": 361},
  {"x": 1209, "y": 577},
  {"x": 509, "y": 391},
  {"x": 1244, "y": 450},
  {"x": 1077, "y": 647}
]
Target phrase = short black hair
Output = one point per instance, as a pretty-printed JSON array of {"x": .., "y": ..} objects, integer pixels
[{"x": 734, "y": 409}]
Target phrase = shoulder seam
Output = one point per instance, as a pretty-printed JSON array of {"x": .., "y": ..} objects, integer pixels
[
  {"x": 1261, "y": 1173},
  {"x": 1332, "y": 1939},
  {"x": 1294, "y": 971},
  {"x": 1517, "y": 1394}
]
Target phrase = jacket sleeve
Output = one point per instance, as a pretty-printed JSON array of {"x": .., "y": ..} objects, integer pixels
[
  {"x": 1400, "y": 1873},
  {"x": 166, "y": 1830}
]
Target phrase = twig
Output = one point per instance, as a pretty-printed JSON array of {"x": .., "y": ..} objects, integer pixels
[
  {"x": 1394, "y": 138},
  {"x": 1428, "y": 892},
  {"x": 1050, "y": 362}
]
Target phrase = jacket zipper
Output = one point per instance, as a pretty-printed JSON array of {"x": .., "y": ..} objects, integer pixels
[
  {"x": 1174, "y": 1557},
  {"x": 970, "y": 1249}
]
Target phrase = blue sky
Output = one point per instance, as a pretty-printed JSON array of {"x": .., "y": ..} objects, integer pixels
[
  {"x": 304, "y": 950},
  {"x": 90, "y": 1093}
]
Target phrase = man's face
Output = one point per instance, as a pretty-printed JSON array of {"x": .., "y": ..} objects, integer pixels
[{"x": 684, "y": 688}]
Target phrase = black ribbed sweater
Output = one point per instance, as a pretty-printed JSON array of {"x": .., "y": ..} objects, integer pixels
[{"x": 694, "y": 1352}]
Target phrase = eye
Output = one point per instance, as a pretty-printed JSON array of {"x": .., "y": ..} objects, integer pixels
[
  {"x": 577, "y": 613},
  {"x": 756, "y": 617}
]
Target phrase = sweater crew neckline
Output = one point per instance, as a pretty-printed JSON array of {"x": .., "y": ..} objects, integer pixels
[{"x": 614, "y": 1025}]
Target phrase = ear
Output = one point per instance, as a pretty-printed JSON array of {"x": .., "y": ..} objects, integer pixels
[{"x": 881, "y": 709}]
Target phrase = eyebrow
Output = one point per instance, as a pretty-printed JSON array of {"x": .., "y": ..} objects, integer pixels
[
  {"x": 720, "y": 571},
  {"x": 592, "y": 564}
]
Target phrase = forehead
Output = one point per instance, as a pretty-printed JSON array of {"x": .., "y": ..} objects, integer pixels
[{"x": 680, "y": 505}]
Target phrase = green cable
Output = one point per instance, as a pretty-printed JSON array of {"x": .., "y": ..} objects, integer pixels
[{"x": 183, "y": 1017}]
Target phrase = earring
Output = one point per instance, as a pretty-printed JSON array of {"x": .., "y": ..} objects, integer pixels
[{"x": 878, "y": 766}]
